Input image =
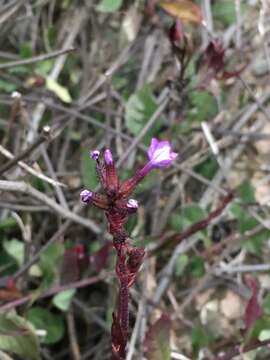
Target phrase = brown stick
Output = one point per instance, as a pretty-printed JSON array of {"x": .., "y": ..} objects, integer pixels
[
  {"x": 193, "y": 229},
  {"x": 54, "y": 290}
]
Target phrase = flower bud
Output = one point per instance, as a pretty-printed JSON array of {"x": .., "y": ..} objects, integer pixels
[
  {"x": 108, "y": 157},
  {"x": 111, "y": 178},
  {"x": 86, "y": 196},
  {"x": 94, "y": 154},
  {"x": 133, "y": 204}
]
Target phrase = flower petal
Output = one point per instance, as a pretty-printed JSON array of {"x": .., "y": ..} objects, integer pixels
[{"x": 152, "y": 147}]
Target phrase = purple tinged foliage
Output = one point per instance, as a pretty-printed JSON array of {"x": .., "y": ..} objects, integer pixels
[
  {"x": 86, "y": 196},
  {"x": 253, "y": 310}
]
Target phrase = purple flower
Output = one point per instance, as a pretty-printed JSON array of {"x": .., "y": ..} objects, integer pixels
[
  {"x": 94, "y": 154},
  {"x": 108, "y": 157},
  {"x": 160, "y": 153},
  {"x": 86, "y": 196}
]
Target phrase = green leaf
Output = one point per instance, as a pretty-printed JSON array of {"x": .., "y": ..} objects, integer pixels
[
  {"x": 50, "y": 262},
  {"x": 7, "y": 86},
  {"x": 204, "y": 106},
  {"x": 208, "y": 168},
  {"x": 51, "y": 35},
  {"x": 21, "y": 70},
  {"x": 157, "y": 340},
  {"x": 53, "y": 324},
  {"x": 139, "y": 109},
  {"x": 260, "y": 325},
  {"x": 255, "y": 243},
  {"x": 224, "y": 11},
  {"x": 189, "y": 215},
  {"x": 26, "y": 50},
  {"x": 196, "y": 266},
  {"x": 88, "y": 170},
  {"x": 181, "y": 264},
  {"x": 193, "y": 213},
  {"x": 17, "y": 336},
  {"x": 43, "y": 68},
  {"x": 58, "y": 90},
  {"x": 8, "y": 223},
  {"x": 109, "y": 5},
  {"x": 63, "y": 300},
  {"x": 199, "y": 339},
  {"x": 245, "y": 222},
  {"x": 15, "y": 249},
  {"x": 264, "y": 335},
  {"x": 246, "y": 192}
]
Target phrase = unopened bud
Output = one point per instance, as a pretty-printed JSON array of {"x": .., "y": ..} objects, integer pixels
[
  {"x": 86, "y": 196},
  {"x": 94, "y": 154},
  {"x": 108, "y": 157},
  {"x": 132, "y": 204}
]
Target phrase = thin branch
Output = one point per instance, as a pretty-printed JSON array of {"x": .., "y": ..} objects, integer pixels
[
  {"x": 43, "y": 137},
  {"x": 54, "y": 290},
  {"x": 35, "y": 258},
  {"x": 29, "y": 169},
  {"x": 35, "y": 59},
  {"x": 241, "y": 269},
  {"x": 193, "y": 229},
  {"x": 73, "y": 339},
  {"x": 22, "y": 187},
  {"x": 239, "y": 349}
]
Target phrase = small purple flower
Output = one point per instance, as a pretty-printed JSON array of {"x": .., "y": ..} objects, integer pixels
[
  {"x": 86, "y": 196},
  {"x": 132, "y": 204},
  {"x": 108, "y": 157},
  {"x": 160, "y": 153},
  {"x": 94, "y": 154}
]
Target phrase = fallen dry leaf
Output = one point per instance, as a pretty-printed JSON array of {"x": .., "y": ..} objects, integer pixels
[
  {"x": 231, "y": 306},
  {"x": 186, "y": 10}
]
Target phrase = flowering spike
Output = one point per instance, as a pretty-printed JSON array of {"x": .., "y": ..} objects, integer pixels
[
  {"x": 117, "y": 209},
  {"x": 94, "y": 154},
  {"x": 86, "y": 196}
]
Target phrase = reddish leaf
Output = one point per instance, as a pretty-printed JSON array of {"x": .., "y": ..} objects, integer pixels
[
  {"x": 157, "y": 340},
  {"x": 74, "y": 263},
  {"x": 231, "y": 74},
  {"x": 253, "y": 309},
  {"x": 214, "y": 56},
  {"x": 213, "y": 65},
  {"x": 118, "y": 340},
  {"x": 176, "y": 33},
  {"x": 186, "y": 10},
  {"x": 100, "y": 258},
  {"x": 8, "y": 289}
]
